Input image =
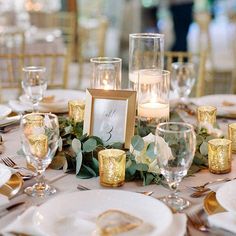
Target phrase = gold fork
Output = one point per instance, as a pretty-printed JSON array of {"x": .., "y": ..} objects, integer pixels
[
  {"x": 10, "y": 163},
  {"x": 199, "y": 222}
]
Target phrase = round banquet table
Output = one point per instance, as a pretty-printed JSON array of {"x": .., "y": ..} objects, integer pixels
[{"x": 68, "y": 182}]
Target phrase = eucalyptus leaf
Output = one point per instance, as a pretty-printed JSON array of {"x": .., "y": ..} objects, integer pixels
[
  {"x": 76, "y": 145},
  {"x": 95, "y": 165},
  {"x": 141, "y": 167},
  {"x": 128, "y": 164},
  {"x": 199, "y": 140},
  {"x": 204, "y": 149},
  {"x": 60, "y": 144},
  {"x": 90, "y": 170},
  {"x": 137, "y": 143},
  {"x": 79, "y": 159},
  {"x": 20, "y": 152},
  {"x": 84, "y": 173},
  {"x": 89, "y": 145},
  {"x": 148, "y": 178},
  {"x": 68, "y": 129},
  {"x": 150, "y": 150},
  {"x": 58, "y": 161},
  {"x": 117, "y": 145}
]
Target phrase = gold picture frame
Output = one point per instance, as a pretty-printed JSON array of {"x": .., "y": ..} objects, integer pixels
[{"x": 106, "y": 111}]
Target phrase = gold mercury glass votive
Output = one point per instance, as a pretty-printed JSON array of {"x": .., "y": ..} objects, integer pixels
[
  {"x": 112, "y": 167},
  {"x": 206, "y": 114},
  {"x": 38, "y": 145},
  {"x": 232, "y": 135},
  {"x": 76, "y": 110},
  {"x": 32, "y": 121},
  {"x": 219, "y": 156}
]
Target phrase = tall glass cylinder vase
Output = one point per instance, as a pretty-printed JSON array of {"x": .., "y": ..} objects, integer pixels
[
  {"x": 106, "y": 73},
  {"x": 146, "y": 51},
  {"x": 153, "y": 97}
]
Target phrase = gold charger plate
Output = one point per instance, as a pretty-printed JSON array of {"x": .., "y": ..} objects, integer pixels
[
  {"x": 13, "y": 186},
  {"x": 211, "y": 205}
]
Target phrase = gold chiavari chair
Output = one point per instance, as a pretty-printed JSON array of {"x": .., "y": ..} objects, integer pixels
[
  {"x": 11, "y": 70},
  {"x": 198, "y": 59},
  {"x": 65, "y": 21},
  {"x": 12, "y": 42},
  {"x": 91, "y": 42}
]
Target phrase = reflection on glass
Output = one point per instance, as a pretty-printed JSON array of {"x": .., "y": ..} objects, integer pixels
[{"x": 40, "y": 146}]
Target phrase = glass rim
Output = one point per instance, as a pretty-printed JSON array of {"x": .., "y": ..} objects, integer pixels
[
  {"x": 105, "y": 60},
  {"x": 187, "y": 125},
  {"x": 40, "y": 114},
  {"x": 147, "y": 35},
  {"x": 163, "y": 72},
  {"x": 34, "y": 68},
  {"x": 103, "y": 152},
  {"x": 181, "y": 63},
  {"x": 219, "y": 141}
]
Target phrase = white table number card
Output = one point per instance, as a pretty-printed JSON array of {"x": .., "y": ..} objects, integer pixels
[{"x": 110, "y": 115}]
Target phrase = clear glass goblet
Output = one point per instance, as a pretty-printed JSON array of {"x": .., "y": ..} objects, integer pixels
[
  {"x": 39, "y": 138},
  {"x": 183, "y": 76},
  {"x": 175, "y": 148},
  {"x": 34, "y": 84}
]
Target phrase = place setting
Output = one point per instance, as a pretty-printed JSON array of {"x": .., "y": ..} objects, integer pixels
[{"x": 146, "y": 159}]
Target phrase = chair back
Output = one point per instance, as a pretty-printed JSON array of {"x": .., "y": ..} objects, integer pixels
[
  {"x": 91, "y": 41},
  {"x": 11, "y": 70},
  {"x": 12, "y": 41},
  {"x": 65, "y": 21}
]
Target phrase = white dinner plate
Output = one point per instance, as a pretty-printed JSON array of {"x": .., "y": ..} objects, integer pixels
[
  {"x": 225, "y": 103},
  {"x": 5, "y": 174},
  {"x": 75, "y": 213},
  {"x": 4, "y": 111},
  {"x": 59, "y": 104},
  {"x": 226, "y": 196}
]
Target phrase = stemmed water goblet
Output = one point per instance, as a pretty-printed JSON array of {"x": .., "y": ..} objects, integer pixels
[
  {"x": 183, "y": 76},
  {"x": 175, "y": 148},
  {"x": 34, "y": 84},
  {"x": 39, "y": 138}
]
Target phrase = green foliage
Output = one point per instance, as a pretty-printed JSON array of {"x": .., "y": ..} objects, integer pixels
[{"x": 80, "y": 152}]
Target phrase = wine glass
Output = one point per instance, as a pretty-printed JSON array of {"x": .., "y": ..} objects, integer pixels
[
  {"x": 34, "y": 84},
  {"x": 183, "y": 79},
  {"x": 175, "y": 148},
  {"x": 39, "y": 138}
]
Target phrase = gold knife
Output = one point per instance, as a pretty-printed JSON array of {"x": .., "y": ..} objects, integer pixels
[{"x": 6, "y": 210}]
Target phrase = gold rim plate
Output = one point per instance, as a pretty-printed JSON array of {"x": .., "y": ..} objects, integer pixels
[
  {"x": 211, "y": 205},
  {"x": 13, "y": 186}
]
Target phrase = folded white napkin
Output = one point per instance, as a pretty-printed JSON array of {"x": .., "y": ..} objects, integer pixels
[
  {"x": 3, "y": 200},
  {"x": 69, "y": 225},
  {"x": 5, "y": 174},
  {"x": 224, "y": 220},
  {"x": 19, "y": 107}
]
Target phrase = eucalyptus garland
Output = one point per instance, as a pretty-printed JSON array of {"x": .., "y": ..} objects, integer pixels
[{"x": 79, "y": 152}]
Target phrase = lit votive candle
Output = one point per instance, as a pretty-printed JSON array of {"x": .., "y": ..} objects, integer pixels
[
  {"x": 219, "y": 156},
  {"x": 112, "y": 167},
  {"x": 206, "y": 114},
  {"x": 32, "y": 121},
  {"x": 232, "y": 135},
  {"x": 154, "y": 110},
  {"x": 76, "y": 110},
  {"x": 38, "y": 145}
]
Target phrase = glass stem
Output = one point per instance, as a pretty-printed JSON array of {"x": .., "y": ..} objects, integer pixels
[
  {"x": 35, "y": 106},
  {"x": 40, "y": 185},
  {"x": 174, "y": 187}
]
